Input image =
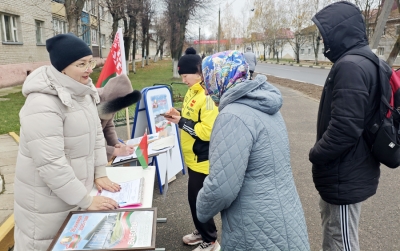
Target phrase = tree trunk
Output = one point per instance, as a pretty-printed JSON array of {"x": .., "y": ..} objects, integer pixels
[
  {"x": 73, "y": 9},
  {"x": 265, "y": 47},
  {"x": 175, "y": 64},
  {"x": 394, "y": 53},
  {"x": 143, "y": 48},
  {"x": 147, "y": 48}
]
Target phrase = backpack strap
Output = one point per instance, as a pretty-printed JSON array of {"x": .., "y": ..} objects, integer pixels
[{"x": 385, "y": 93}]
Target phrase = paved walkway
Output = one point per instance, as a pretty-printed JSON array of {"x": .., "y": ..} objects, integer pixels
[{"x": 8, "y": 155}]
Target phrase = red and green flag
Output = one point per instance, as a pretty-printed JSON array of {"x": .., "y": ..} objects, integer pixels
[
  {"x": 115, "y": 63},
  {"x": 142, "y": 153}
]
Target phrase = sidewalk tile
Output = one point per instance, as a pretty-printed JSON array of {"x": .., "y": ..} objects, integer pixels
[
  {"x": 7, "y": 148},
  {"x": 8, "y": 161},
  {"x": 7, "y": 201},
  {"x": 9, "y": 188},
  {"x": 9, "y": 178},
  {"x": 7, "y": 169}
]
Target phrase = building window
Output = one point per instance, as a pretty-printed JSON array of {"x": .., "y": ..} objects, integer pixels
[
  {"x": 301, "y": 51},
  {"x": 384, "y": 31},
  {"x": 39, "y": 31},
  {"x": 85, "y": 7},
  {"x": 59, "y": 26},
  {"x": 309, "y": 51},
  {"x": 94, "y": 36},
  {"x": 397, "y": 29},
  {"x": 92, "y": 7},
  {"x": 86, "y": 34},
  {"x": 9, "y": 28},
  {"x": 322, "y": 50},
  {"x": 103, "y": 40},
  {"x": 381, "y": 51},
  {"x": 370, "y": 32}
]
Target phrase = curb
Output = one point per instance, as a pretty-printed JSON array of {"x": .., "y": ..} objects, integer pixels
[
  {"x": 301, "y": 65},
  {"x": 7, "y": 228},
  {"x": 7, "y": 234}
]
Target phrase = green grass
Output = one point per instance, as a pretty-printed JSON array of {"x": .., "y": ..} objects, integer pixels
[
  {"x": 159, "y": 72},
  {"x": 9, "y": 112}
]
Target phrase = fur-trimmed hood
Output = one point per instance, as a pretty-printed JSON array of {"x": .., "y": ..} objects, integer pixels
[{"x": 116, "y": 95}]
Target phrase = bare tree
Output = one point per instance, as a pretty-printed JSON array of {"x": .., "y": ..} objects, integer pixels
[
  {"x": 117, "y": 11},
  {"x": 134, "y": 9},
  {"x": 161, "y": 29},
  {"x": 179, "y": 12},
  {"x": 300, "y": 15},
  {"x": 396, "y": 47},
  {"x": 73, "y": 9}
]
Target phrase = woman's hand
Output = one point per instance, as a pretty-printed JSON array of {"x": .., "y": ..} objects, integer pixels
[
  {"x": 173, "y": 112},
  {"x": 107, "y": 184},
  {"x": 123, "y": 150},
  {"x": 103, "y": 203},
  {"x": 174, "y": 119}
]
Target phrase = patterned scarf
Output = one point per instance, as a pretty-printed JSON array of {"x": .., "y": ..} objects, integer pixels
[{"x": 222, "y": 71}]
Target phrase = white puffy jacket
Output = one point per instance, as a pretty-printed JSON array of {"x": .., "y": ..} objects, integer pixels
[{"x": 61, "y": 152}]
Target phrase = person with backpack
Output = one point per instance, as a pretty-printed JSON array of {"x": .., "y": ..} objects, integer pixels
[{"x": 345, "y": 172}]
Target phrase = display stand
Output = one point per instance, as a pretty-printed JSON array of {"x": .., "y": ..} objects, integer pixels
[{"x": 155, "y": 101}]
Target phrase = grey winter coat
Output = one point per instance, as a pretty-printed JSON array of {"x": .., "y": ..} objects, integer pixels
[
  {"x": 250, "y": 180},
  {"x": 251, "y": 59},
  {"x": 61, "y": 152}
]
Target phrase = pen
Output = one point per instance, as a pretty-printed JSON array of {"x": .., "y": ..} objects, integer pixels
[
  {"x": 120, "y": 140},
  {"x": 122, "y": 202}
]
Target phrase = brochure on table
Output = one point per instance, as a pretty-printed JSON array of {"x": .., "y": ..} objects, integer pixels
[
  {"x": 129, "y": 229},
  {"x": 157, "y": 145},
  {"x": 129, "y": 173},
  {"x": 157, "y": 100},
  {"x": 130, "y": 195}
]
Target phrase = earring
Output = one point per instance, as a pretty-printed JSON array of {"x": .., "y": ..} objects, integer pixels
[{"x": 63, "y": 72}]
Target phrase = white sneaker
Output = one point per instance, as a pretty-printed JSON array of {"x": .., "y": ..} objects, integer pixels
[
  {"x": 193, "y": 238},
  {"x": 208, "y": 246}
]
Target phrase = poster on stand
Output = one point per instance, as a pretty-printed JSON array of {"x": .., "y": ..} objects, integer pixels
[
  {"x": 156, "y": 101},
  {"x": 126, "y": 229}
]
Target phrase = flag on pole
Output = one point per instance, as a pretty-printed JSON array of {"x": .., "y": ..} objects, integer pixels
[
  {"x": 115, "y": 63},
  {"x": 141, "y": 152}
]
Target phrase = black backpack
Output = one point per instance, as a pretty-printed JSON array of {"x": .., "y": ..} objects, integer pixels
[{"x": 385, "y": 129}]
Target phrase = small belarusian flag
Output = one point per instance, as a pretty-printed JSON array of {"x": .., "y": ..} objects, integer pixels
[
  {"x": 141, "y": 152},
  {"x": 115, "y": 63}
]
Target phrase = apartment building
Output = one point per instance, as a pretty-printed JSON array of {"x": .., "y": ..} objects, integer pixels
[{"x": 26, "y": 24}]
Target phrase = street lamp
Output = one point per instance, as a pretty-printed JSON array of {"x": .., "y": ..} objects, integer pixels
[
  {"x": 219, "y": 26},
  {"x": 199, "y": 40}
]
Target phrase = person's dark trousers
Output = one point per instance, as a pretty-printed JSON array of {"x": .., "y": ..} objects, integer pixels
[
  {"x": 207, "y": 230},
  {"x": 251, "y": 74}
]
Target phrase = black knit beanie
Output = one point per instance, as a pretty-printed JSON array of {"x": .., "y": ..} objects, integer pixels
[
  {"x": 190, "y": 62},
  {"x": 65, "y": 49}
]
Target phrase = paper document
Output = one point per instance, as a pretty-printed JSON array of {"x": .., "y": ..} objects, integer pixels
[
  {"x": 131, "y": 193},
  {"x": 156, "y": 146}
]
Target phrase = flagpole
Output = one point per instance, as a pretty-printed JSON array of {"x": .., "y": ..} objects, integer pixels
[{"x": 128, "y": 127}]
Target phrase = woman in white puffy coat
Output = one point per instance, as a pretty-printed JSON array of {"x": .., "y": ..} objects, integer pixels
[{"x": 62, "y": 148}]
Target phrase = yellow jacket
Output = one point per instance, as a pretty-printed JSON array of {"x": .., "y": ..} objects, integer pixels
[{"x": 196, "y": 123}]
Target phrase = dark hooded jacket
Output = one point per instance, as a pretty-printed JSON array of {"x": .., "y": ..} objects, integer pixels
[{"x": 344, "y": 171}]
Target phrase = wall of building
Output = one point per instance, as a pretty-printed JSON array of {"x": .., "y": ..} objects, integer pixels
[{"x": 17, "y": 59}]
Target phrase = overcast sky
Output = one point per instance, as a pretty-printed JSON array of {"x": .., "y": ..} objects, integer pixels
[{"x": 237, "y": 6}]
